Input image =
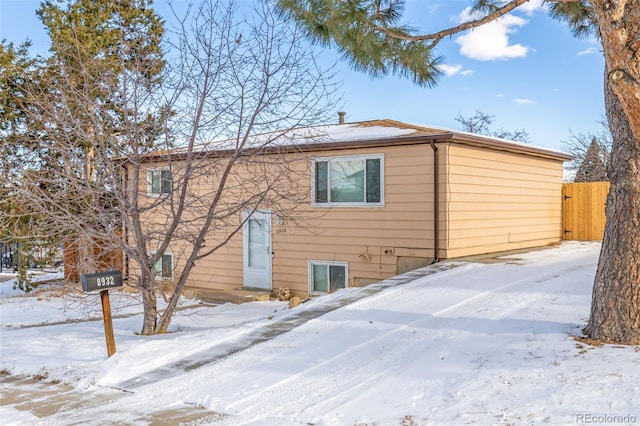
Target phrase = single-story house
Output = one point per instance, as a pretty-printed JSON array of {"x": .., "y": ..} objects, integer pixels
[{"x": 383, "y": 197}]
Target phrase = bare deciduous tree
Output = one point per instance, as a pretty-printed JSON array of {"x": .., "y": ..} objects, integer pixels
[
  {"x": 173, "y": 171},
  {"x": 480, "y": 123}
]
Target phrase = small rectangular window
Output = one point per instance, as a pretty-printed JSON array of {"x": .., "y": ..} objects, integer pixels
[
  {"x": 348, "y": 181},
  {"x": 159, "y": 182},
  {"x": 164, "y": 267},
  {"x": 325, "y": 277}
]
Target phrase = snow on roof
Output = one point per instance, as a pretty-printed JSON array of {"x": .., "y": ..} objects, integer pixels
[
  {"x": 364, "y": 131},
  {"x": 335, "y": 133},
  {"x": 351, "y": 132}
]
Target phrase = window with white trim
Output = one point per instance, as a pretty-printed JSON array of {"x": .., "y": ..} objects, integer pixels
[
  {"x": 349, "y": 181},
  {"x": 163, "y": 268},
  {"x": 158, "y": 182},
  {"x": 325, "y": 277}
]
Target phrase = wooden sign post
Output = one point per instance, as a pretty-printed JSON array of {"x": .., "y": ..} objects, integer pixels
[
  {"x": 103, "y": 281},
  {"x": 108, "y": 323}
]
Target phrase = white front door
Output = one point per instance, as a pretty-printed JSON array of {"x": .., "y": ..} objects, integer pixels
[{"x": 257, "y": 249}]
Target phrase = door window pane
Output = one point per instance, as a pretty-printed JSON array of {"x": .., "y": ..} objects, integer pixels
[
  {"x": 256, "y": 233},
  {"x": 257, "y": 248}
]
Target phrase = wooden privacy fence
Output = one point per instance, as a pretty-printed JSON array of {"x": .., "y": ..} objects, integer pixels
[
  {"x": 104, "y": 259},
  {"x": 583, "y": 206}
]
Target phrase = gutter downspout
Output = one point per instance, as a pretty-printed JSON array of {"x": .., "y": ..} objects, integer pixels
[{"x": 436, "y": 203}]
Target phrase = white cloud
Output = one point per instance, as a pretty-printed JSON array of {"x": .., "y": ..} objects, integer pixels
[
  {"x": 491, "y": 42},
  {"x": 523, "y": 101},
  {"x": 500, "y": 95},
  {"x": 588, "y": 51},
  {"x": 451, "y": 70},
  {"x": 532, "y": 6}
]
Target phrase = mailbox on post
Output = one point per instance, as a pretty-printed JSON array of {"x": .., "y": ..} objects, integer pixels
[{"x": 103, "y": 281}]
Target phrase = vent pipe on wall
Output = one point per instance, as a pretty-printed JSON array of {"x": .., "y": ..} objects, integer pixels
[{"x": 341, "y": 115}]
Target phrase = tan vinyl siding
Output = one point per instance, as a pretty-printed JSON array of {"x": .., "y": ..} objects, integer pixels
[
  {"x": 353, "y": 234},
  {"x": 501, "y": 201},
  {"x": 369, "y": 238},
  {"x": 490, "y": 200}
]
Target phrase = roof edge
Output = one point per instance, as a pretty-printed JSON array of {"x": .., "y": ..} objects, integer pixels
[
  {"x": 421, "y": 134},
  {"x": 488, "y": 142}
]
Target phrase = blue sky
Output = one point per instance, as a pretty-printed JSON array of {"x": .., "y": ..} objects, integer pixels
[{"x": 527, "y": 70}]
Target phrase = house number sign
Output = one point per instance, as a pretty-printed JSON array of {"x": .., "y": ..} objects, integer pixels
[{"x": 101, "y": 280}]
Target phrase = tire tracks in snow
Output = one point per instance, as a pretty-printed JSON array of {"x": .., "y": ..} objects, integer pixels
[
  {"x": 280, "y": 397},
  {"x": 155, "y": 392},
  {"x": 298, "y": 394}
]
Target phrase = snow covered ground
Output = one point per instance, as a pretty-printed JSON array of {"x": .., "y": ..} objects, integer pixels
[{"x": 480, "y": 343}]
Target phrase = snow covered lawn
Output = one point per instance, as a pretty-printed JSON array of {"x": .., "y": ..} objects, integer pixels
[{"x": 479, "y": 343}]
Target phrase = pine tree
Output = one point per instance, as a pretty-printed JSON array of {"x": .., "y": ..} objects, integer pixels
[
  {"x": 100, "y": 50},
  {"x": 62, "y": 111},
  {"x": 592, "y": 168},
  {"x": 579, "y": 144}
]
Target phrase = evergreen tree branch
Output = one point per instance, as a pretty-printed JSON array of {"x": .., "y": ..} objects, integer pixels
[
  {"x": 435, "y": 38},
  {"x": 367, "y": 34}
]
